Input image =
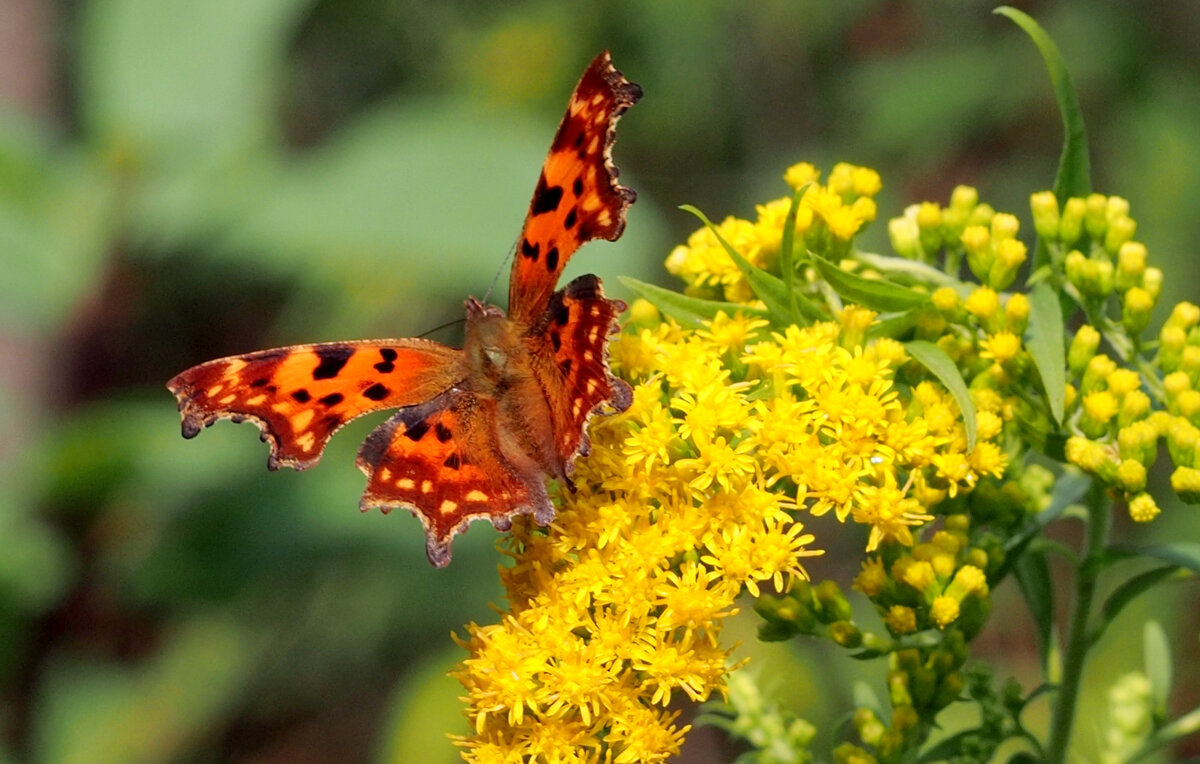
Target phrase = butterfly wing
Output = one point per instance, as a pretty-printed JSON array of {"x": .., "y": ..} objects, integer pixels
[
  {"x": 300, "y": 395},
  {"x": 571, "y": 346},
  {"x": 443, "y": 460},
  {"x": 577, "y": 196}
]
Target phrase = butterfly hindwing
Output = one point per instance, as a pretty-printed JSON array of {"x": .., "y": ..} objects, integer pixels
[
  {"x": 443, "y": 460},
  {"x": 577, "y": 196},
  {"x": 300, "y": 395},
  {"x": 573, "y": 334}
]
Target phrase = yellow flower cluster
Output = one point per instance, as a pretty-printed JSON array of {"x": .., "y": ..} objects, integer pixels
[
  {"x": 827, "y": 220},
  {"x": 686, "y": 500}
]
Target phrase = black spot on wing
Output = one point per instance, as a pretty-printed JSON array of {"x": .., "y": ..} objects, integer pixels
[
  {"x": 376, "y": 392},
  {"x": 301, "y": 396},
  {"x": 333, "y": 360},
  {"x": 529, "y": 249},
  {"x": 552, "y": 259},
  {"x": 332, "y": 399},
  {"x": 545, "y": 198},
  {"x": 417, "y": 431},
  {"x": 556, "y": 341},
  {"x": 452, "y": 461},
  {"x": 260, "y": 382},
  {"x": 577, "y": 187},
  {"x": 443, "y": 432},
  {"x": 388, "y": 364},
  {"x": 571, "y": 219}
]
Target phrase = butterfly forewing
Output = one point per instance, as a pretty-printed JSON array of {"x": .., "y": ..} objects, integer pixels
[
  {"x": 300, "y": 395},
  {"x": 577, "y": 197}
]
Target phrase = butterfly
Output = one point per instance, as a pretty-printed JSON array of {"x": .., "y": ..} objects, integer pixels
[{"x": 479, "y": 429}]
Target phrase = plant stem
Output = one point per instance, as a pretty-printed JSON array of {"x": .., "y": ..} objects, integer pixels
[{"x": 1078, "y": 632}]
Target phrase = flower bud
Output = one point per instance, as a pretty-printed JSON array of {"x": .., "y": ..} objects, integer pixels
[
  {"x": 904, "y": 235},
  {"x": 832, "y": 604},
  {"x": 964, "y": 198},
  {"x": 1095, "y": 219},
  {"x": 1116, "y": 207},
  {"x": 1143, "y": 508},
  {"x": 1070, "y": 224},
  {"x": 1016, "y": 313},
  {"x": 1009, "y": 255},
  {"x": 846, "y": 634},
  {"x": 1131, "y": 476},
  {"x": 1136, "y": 310},
  {"x": 1135, "y": 406},
  {"x": 944, "y": 611},
  {"x": 1099, "y": 407},
  {"x": 1120, "y": 230},
  {"x": 929, "y": 223},
  {"x": 900, "y": 620},
  {"x": 1139, "y": 441},
  {"x": 1182, "y": 441},
  {"x": 1171, "y": 342},
  {"x": 945, "y": 299},
  {"x": 1083, "y": 348},
  {"x": 1186, "y": 482},
  {"x": 977, "y": 242},
  {"x": 1131, "y": 265},
  {"x": 1152, "y": 281},
  {"x": 1074, "y": 265},
  {"x": 981, "y": 215},
  {"x": 1185, "y": 315},
  {"x": 1045, "y": 214},
  {"x": 1095, "y": 376}
]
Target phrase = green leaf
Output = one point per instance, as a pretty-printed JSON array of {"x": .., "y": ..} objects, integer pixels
[
  {"x": 876, "y": 294},
  {"x": 1130, "y": 590},
  {"x": 894, "y": 325},
  {"x": 770, "y": 289},
  {"x": 1185, "y": 554},
  {"x": 689, "y": 311},
  {"x": 1033, "y": 576},
  {"x": 1074, "y": 171},
  {"x": 1046, "y": 343},
  {"x": 1156, "y": 657},
  {"x": 935, "y": 359}
]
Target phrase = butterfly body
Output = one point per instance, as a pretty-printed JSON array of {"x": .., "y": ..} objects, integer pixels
[{"x": 478, "y": 430}]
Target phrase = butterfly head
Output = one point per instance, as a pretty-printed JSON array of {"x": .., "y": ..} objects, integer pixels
[{"x": 492, "y": 340}]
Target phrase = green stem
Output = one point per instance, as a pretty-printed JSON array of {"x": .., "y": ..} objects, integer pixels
[{"x": 1077, "y": 643}]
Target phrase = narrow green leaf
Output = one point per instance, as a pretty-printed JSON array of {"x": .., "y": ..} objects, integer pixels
[
  {"x": 1046, "y": 343},
  {"x": 1130, "y": 590},
  {"x": 1180, "y": 728},
  {"x": 935, "y": 359},
  {"x": 1033, "y": 576},
  {"x": 1184, "y": 554},
  {"x": 689, "y": 311},
  {"x": 1074, "y": 170},
  {"x": 876, "y": 294},
  {"x": 787, "y": 250},
  {"x": 770, "y": 289},
  {"x": 894, "y": 325},
  {"x": 1156, "y": 657}
]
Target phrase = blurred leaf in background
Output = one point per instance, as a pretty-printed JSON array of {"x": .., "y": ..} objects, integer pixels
[{"x": 196, "y": 179}]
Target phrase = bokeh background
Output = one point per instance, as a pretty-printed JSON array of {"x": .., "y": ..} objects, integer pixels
[{"x": 181, "y": 180}]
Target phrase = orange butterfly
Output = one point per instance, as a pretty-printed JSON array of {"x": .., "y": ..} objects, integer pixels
[{"x": 479, "y": 429}]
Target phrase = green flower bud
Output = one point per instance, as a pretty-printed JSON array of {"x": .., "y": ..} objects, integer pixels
[
  {"x": 868, "y": 726},
  {"x": 1009, "y": 255},
  {"x": 1171, "y": 342},
  {"x": 846, "y": 634},
  {"x": 1004, "y": 226},
  {"x": 929, "y": 223},
  {"x": 832, "y": 605},
  {"x": 1074, "y": 264},
  {"x": 1070, "y": 224},
  {"x": 977, "y": 242},
  {"x": 964, "y": 198},
  {"x": 1131, "y": 476},
  {"x": 1095, "y": 376},
  {"x": 981, "y": 215},
  {"x": 1182, "y": 440},
  {"x": 905, "y": 239},
  {"x": 1131, "y": 265},
  {"x": 1116, "y": 207},
  {"x": 1120, "y": 230},
  {"x": 1186, "y": 482},
  {"x": 1152, "y": 281},
  {"x": 1136, "y": 310},
  {"x": 1139, "y": 441},
  {"x": 1095, "y": 219},
  {"x": 1083, "y": 348},
  {"x": 1185, "y": 315},
  {"x": 1045, "y": 214},
  {"x": 1135, "y": 406}
]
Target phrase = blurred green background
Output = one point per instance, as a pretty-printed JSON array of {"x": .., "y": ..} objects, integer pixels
[{"x": 181, "y": 180}]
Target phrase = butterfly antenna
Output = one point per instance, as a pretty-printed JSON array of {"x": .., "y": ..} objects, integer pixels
[
  {"x": 440, "y": 327},
  {"x": 504, "y": 263}
]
